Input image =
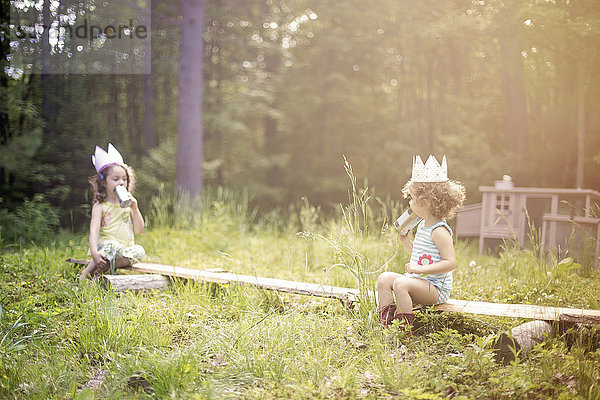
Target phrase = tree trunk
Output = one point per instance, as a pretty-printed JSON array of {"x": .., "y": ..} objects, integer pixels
[
  {"x": 4, "y": 121},
  {"x": 513, "y": 87},
  {"x": 133, "y": 108},
  {"x": 46, "y": 70},
  {"x": 113, "y": 103},
  {"x": 429, "y": 117},
  {"x": 271, "y": 134},
  {"x": 191, "y": 56},
  {"x": 580, "y": 126},
  {"x": 149, "y": 113},
  {"x": 149, "y": 133}
]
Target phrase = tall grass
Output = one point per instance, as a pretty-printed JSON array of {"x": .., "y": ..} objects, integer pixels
[
  {"x": 357, "y": 246},
  {"x": 181, "y": 211}
]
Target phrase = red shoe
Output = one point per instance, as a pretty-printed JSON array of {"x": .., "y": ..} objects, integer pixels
[{"x": 386, "y": 314}]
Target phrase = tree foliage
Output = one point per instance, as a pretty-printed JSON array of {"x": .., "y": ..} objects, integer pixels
[{"x": 292, "y": 86}]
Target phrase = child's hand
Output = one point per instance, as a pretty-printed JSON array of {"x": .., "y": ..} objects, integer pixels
[
  {"x": 413, "y": 268},
  {"x": 134, "y": 203},
  {"x": 404, "y": 238},
  {"x": 99, "y": 259}
]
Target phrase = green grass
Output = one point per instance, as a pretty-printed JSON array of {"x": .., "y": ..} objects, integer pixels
[{"x": 194, "y": 341}]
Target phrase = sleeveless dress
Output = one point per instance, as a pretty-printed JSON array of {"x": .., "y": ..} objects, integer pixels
[
  {"x": 116, "y": 235},
  {"x": 425, "y": 252}
]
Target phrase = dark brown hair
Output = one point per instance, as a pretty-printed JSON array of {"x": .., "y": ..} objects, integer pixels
[
  {"x": 441, "y": 199},
  {"x": 98, "y": 182}
]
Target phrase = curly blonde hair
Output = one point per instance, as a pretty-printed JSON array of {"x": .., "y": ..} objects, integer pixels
[
  {"x": 98, "y": 182},
  {"x": 441, "y": 199}
]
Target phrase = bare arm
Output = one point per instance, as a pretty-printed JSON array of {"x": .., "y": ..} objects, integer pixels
[
  {"x": 406, "y": 242},
  {"x": 136, "y": 217},
  {"x": 95, "y": 232},
  {"x": 443, "y": 241}
]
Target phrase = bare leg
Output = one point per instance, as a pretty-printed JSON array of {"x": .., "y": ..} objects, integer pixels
[
  {"x": 409, "y": 290},
  {"x": 102, "y": 269},
  {"x": 385, "y": 297},
  {"x": 385, "y": 291},
  {"x": 122, "y": 262},
  {"x": 87, "y": 271},
  {"x": 94, "y": 269}
]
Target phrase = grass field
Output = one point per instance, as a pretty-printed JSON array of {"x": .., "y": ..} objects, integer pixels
[{"x": 193, "y": 341}]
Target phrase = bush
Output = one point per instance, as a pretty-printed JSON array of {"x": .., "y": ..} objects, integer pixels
[{"x": 33, "y": 221}]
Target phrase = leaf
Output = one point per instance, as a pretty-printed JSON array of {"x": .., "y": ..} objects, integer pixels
[
  {"x": 566, "y": 261},
  {"x": 565, "y": 265}
]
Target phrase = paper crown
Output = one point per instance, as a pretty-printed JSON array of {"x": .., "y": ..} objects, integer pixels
[
  {"x": 102, "y": 159},
  {"x": 431, "y": 171}
]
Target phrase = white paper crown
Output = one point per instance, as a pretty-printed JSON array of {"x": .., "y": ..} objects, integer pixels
[
  {"x": 431, "y": 171},
  {"x": 102, "y": 159}
]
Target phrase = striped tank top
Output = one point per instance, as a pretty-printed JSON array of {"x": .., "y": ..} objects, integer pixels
[{"x": 424, "y": 252}]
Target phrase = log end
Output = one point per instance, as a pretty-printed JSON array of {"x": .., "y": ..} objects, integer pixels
[
  {"x": 520, "y": 340},
  {"x": 505, "y": 349}
]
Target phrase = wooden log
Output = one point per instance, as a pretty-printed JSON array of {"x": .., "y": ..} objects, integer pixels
[
  {"x": 520, "y": 340},
  {"x": 134, "y": 283}
]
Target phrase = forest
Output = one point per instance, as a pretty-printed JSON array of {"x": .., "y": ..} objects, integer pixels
[{"x": 290, "y": 88}]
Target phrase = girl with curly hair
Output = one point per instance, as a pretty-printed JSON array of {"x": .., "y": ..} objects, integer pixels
[{"x": 428, "y": 277}]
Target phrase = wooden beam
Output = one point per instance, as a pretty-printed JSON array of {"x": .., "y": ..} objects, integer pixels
[
  {"x": 76, "y": 261},
  {"x": 348, "y": 296},
  {"x": 527, "y": 311}
]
